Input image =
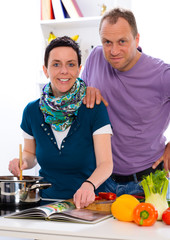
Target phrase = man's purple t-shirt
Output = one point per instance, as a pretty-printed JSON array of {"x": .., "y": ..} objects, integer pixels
[{"x": 139, "y": 108}]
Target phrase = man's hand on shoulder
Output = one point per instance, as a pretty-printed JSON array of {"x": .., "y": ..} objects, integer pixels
[
  {"x": 164, "y": 158},
  {"x": 93, "y": 96}
]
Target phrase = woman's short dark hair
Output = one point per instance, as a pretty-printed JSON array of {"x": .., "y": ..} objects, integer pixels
[
  {"x": 113, "y": 15},
  {"x": 64, "y": 41}
]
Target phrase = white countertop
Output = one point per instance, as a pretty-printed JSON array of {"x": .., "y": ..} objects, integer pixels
[{"x": 105, "y": 230}]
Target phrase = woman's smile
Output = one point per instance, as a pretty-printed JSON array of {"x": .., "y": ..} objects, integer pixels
[{"x": 64, "y": 79}]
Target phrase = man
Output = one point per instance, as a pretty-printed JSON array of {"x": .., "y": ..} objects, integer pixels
[{"x": 137, "y": 89}]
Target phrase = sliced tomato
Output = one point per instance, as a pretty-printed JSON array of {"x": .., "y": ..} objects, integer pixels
[{"x": 107, "y": 195}]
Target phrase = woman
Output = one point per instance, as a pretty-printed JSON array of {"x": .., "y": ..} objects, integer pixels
[{"x": 71, "y": 143}]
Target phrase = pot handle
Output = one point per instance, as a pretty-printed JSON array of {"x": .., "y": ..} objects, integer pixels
[{"x": 40, "y": 186}]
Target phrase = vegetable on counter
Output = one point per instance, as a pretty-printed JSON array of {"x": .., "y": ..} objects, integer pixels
[
  {"x": 155, "y": 187},
  {"x": 166, "y": 216},
  {"x": 97, "y": 198},
  {"x": 122, "y": 208},
  {"x": 145, "y": 214},
  {"x": 107, "y": 195},
  {"x": 112, "y": 196},
  {"x": 140, "y": 198}
]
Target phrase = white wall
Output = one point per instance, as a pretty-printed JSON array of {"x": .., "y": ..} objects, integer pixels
[
  {"x": 94, "y": 7},
  {"x": 19, "y": 53},
  {"x": 153, "y": 21}
]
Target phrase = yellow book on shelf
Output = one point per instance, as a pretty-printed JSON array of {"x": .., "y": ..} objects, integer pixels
[{"x": 46, "y": 10}]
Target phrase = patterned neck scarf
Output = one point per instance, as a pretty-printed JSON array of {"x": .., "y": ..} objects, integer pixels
[{"x": 61, "y": 111}]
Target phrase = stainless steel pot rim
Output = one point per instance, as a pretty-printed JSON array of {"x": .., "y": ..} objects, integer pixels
[{"x": 16, "y": 179}]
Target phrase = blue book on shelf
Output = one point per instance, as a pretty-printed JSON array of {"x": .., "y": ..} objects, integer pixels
[{"x": 66, "y": 15}]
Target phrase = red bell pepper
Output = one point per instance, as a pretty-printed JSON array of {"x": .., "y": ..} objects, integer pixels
[
  {"x": 138, "y": 196},
  {"x": 107, "y": 195},
  {"x": 97, "y": 198}
]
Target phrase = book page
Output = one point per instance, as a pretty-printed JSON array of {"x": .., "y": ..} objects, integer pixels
[
  {"x": 81, "y": 215},
  {"x": 57, "y": 207},
  {"x": 28, "y": 213},
  {"x": 43, "y": 211}
]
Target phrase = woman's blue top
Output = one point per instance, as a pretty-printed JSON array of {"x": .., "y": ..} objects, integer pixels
[{"x": 66, "y": 168}]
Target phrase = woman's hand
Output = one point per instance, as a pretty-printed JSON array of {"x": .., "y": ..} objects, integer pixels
[
  {"x": 84, "y": 195},
  {"x": 28, "y": 158},
  {"x": 14, "y": 166}
]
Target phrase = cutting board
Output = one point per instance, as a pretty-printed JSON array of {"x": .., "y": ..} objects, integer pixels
[{"x": 99, "y": 205}]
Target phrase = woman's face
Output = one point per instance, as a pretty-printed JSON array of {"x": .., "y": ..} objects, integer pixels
[{"x": 63, "y": 69}]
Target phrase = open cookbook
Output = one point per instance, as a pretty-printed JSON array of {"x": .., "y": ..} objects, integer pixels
[{"x": 61, "y": 211}]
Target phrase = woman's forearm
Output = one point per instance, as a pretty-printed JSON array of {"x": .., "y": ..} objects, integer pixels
[
  {"x": 101, "y": 173},
  {"x": 104, "y": 166},
  {"x": 29, "y": 158},
  {"x": 104, "y": 162}
]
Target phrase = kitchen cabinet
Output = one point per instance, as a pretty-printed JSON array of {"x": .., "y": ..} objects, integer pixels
[{"x": 85, "y": 27}]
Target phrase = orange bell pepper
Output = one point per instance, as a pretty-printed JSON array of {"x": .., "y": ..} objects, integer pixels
[{"x": 145, "y": 214}]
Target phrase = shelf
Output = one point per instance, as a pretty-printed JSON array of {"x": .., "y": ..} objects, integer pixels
[
  {"x": 72, "y": 22},
  {"x": 86, "y": 27},
  {"x": 73, "y": 26}
]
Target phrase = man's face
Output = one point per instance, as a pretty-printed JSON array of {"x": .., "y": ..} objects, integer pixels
[{"x": 119, "y": 44}]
